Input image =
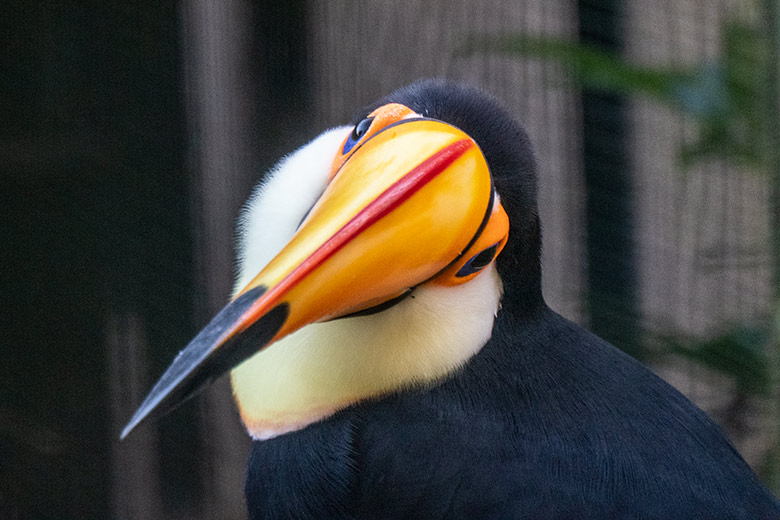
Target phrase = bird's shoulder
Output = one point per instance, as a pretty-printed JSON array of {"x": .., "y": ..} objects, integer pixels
[
  {"x": 549, "y": 421},
  {"x": 307, "y": 474}
]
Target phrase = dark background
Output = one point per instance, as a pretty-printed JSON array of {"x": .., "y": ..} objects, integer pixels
[{"x": 133, "y": 130}]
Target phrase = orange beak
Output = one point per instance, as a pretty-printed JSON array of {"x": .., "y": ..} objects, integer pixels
[{"x": 403, "y": 208}]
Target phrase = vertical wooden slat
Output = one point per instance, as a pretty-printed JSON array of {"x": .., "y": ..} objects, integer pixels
[
  {"x": 219, "y": 106},
  {"x": 135, "y": 492}
]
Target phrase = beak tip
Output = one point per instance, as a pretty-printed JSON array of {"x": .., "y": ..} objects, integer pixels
[
  {"x": 140, "y": 414},
  {"x": 126, "y": 430},
  {"x": 130, "y": 426},
  {"x": 208, "y": 355}
]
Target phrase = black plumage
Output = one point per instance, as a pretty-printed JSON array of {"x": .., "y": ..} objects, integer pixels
[{"x": 547, "y": 421}]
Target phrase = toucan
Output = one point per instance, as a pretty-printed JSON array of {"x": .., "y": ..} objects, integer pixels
[{"x": 392, "y": 356}]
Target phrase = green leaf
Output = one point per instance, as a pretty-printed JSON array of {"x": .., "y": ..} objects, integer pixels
[
  {"x": 592, "y": 66},
  {"x": 726, "y": 96},
  {"x": 739, "y": 353}
]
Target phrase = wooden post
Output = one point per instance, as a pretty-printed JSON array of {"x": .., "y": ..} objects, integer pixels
[
  {"x": 220, "y": 101},
  {"x": 135, "y": 492}
]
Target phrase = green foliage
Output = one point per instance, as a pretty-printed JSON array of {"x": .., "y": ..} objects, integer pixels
[
  {"x": 739, "y": 353},
  {"x": 726, "y": 97},
  {"x": 593, "y": 67}
]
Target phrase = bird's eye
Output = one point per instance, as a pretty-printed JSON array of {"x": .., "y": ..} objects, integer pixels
[
  {"x": 359, "y": 131},
  {"x": 478, "y": 261}
]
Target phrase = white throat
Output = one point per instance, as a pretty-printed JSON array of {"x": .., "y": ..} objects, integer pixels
[{"x": 325, "y": 367}]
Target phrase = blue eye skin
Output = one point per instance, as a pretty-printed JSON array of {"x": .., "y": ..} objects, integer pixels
[
  {"x": 359, "y": 131},
  {"x": 478, "y": 261}
]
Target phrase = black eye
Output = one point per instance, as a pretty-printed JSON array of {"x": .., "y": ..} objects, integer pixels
[
  {"x": 359, "y": 131},
  {"x": 478, "y": 261}
]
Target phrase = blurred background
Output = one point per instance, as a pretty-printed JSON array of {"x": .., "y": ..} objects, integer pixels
[{"x": 132, "y": 131}]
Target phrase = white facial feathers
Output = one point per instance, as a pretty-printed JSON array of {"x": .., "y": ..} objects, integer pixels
[{"x": 278, "y": 204}]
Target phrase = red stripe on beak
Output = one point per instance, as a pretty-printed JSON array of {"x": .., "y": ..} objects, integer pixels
[{"x": 394, "y": 196}]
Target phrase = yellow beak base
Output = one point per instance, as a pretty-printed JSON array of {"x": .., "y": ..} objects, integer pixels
[{"x": 403, "y": 208}]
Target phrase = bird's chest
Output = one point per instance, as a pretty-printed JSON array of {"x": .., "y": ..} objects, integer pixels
[
  {"x": 304, "y": 474},
  {"x": 379, "y": 461}
]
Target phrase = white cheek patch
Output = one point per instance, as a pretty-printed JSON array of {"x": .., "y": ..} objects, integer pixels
[
  {"x": 324, "y": 367},
  {"x": 277, "y": 205}
]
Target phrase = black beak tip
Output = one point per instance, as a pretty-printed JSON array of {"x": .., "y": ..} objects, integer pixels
[
  {"x": 207, "y": 357},
  {"x": 138, "y": 416}
]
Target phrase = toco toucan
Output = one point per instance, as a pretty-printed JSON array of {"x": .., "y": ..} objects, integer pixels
[{"x": 393, "y": 357}]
